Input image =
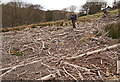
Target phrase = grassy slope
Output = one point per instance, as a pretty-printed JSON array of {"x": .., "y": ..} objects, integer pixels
[
  {"x": 58, "y": 23},
  {"x": 113, "y": 12}
]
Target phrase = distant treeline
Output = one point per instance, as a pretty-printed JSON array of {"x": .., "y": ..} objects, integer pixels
[
  {"x": 95, "y": 6},
  {"x": 20, "y": 13}
]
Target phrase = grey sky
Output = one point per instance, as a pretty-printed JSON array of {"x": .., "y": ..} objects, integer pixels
[{"x": 58, "y": 4}]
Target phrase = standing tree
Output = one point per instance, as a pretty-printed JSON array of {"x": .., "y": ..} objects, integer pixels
[
  {"x": 72, "y": 8},
  {"x": 20, "y": 13},
  {"x": 93, "y": 6},
  {"x": 85, "y": 8},
  {"x": 115, "y": 4},
  {"x": 49, "y": 15},
  {"x": 65, "y": 9}
]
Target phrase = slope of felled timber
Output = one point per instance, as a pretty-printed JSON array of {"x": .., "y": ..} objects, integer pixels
[{"x": 40, "y": 53}]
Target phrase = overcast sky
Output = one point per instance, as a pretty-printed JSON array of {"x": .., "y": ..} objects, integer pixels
[{"x": 57, "y": 4}]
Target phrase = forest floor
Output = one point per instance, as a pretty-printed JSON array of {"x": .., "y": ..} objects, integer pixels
[{"x": 43, "y": 51}]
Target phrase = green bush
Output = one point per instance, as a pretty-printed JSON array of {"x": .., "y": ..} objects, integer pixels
[
  {"x": 114, "y": 30},
  {"x": 33, "y": 26},
  {"x": 61, "y": 24}
]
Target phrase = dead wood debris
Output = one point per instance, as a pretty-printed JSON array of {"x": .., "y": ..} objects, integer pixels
[{"x": 48, "y": 52}]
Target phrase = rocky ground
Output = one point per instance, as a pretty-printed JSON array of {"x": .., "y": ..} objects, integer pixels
[{"x": 50, "y": 46}]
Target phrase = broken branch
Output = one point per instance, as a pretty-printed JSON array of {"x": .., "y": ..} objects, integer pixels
[
  {"x": 48, "y": 77},
  {"x": 93, "y": 52}
]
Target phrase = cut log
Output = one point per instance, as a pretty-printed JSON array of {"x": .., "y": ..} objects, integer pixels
[
  {"x": 48, "y": 77},
  {"x": 93, "y": 52}
]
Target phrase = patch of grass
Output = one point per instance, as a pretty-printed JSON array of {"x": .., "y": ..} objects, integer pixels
[
  {"x": 97, "y": 15},
  {"x": 92, "y": 16},
  {"x": 5, "y": 30},
  {"x": 114, "y": 12},
  {"x": 19, "y": 54},
  {"x": 57, "y": 23},
  {"x": 15, "y": 51},
  {"x": 18, "y": 28},
  {"x": 12, "y": 29},
  {"x": 33, "y": 26},
  {"x": 114, "y": 30},
  {"x": 61, "y": 24}
]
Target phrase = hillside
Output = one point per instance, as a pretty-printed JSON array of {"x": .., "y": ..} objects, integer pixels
[
  {"x": 34, "y": 52},
  {"x": 63, "y": 23}
]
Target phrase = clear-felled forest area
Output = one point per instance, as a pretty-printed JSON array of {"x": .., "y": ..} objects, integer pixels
[{"x": 43, "y": 45}]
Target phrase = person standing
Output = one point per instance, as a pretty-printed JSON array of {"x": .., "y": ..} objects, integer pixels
[
  {"x": 73, "y": 18},
  {"x": 105, "y": 13}
]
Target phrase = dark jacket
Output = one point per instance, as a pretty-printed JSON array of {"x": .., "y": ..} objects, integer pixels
[{"x": 73, "y": 17}]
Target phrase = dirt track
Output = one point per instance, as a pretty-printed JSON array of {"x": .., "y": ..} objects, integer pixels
[{"x": 51, "y": 45}]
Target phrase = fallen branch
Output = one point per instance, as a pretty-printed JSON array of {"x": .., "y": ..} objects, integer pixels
[
  {"x": 80, "y": 75},
  {"x": 43, "y": 46},
  {"x": 27, "y": 49},
  {"x": 98, "y": 69},
  {"x": 63, "y": 34},
  {"x": 10, "y": 50},
  {"x": 48, "y": 77},
  {"x": 100, "y": 75},
  {"x": 69, "y": 74},
  {"x": 5, "y": 68},
  {"x": 14, "y": 67},
  {"x": 47, "y": 65},
  {"x": 93, "y": 52},
  {"x": 22, "y": 73},
  {"x": 76, "y": 66}
]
